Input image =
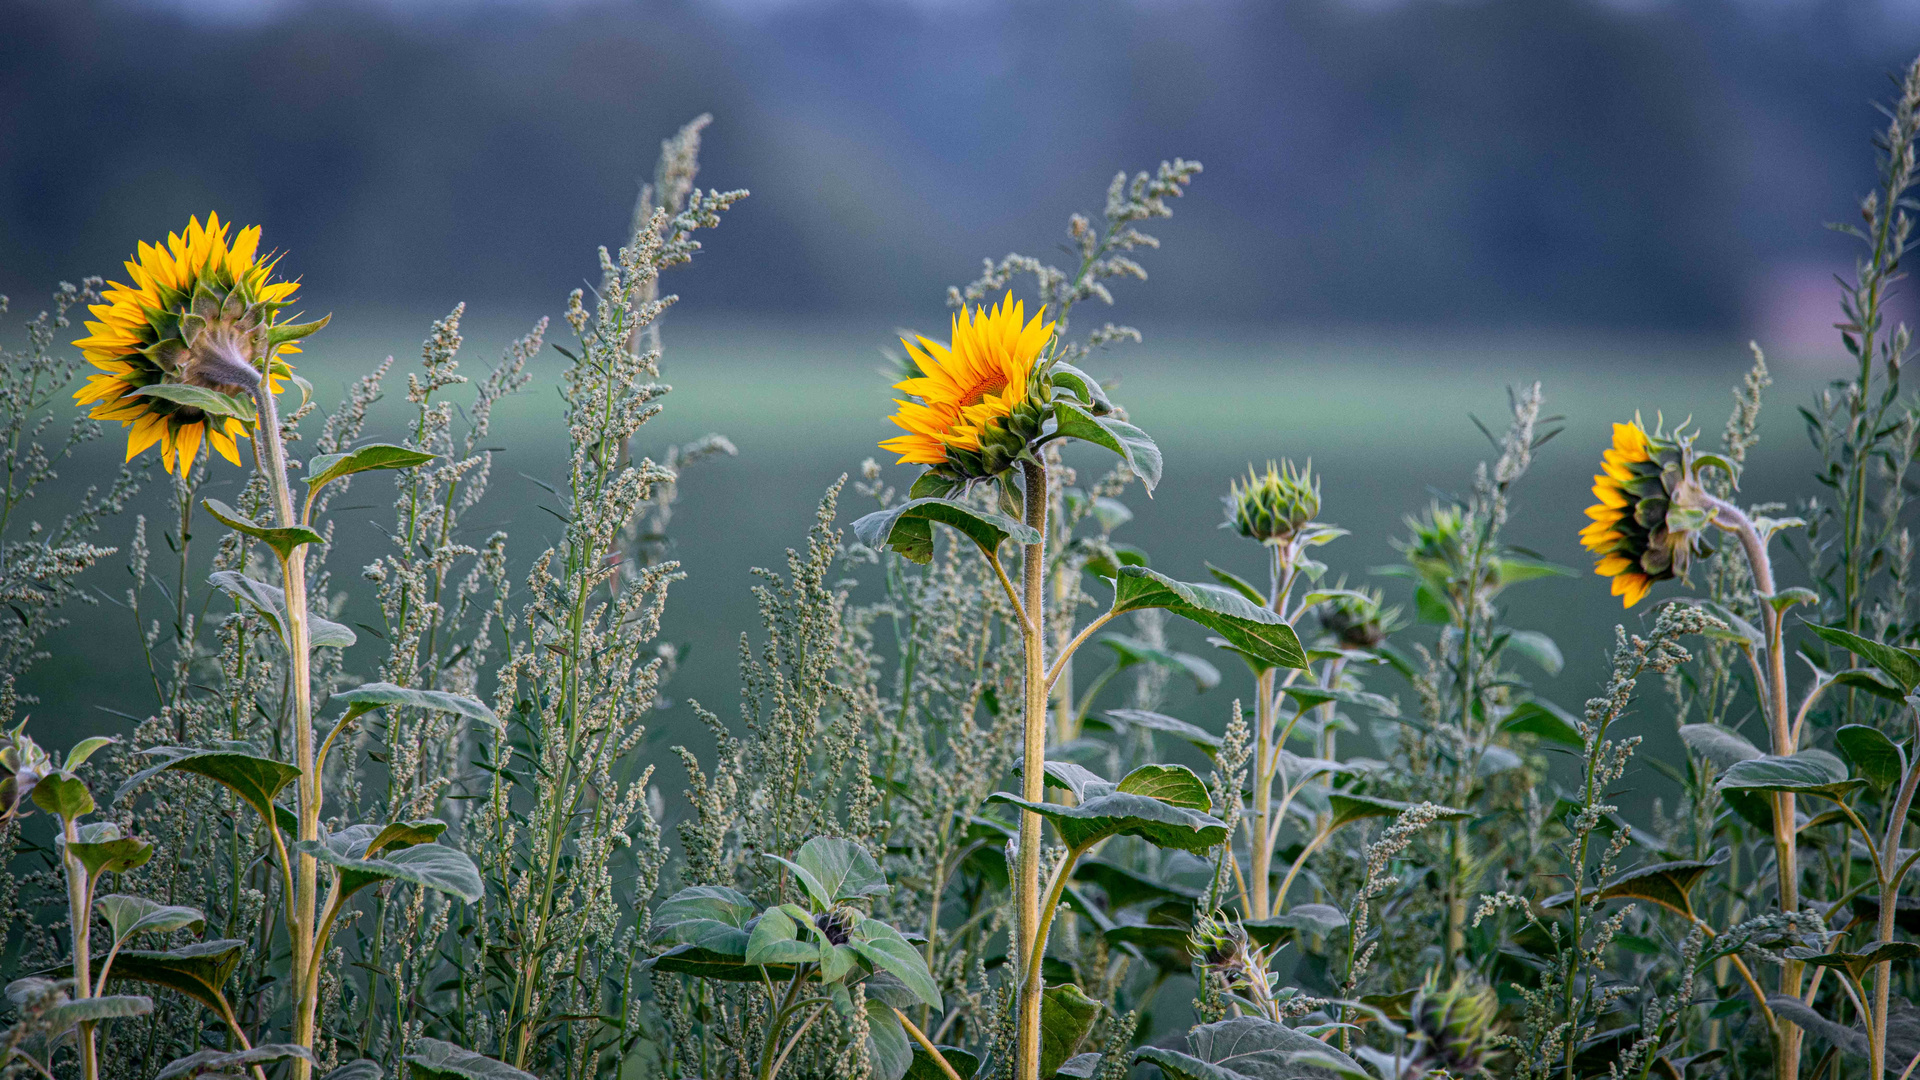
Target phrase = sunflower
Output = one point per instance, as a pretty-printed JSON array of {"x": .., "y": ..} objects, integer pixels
[
  {"x": 1646, "y": 526},
  {"x": 201, "y": 312},
  {"x": 978, "y": 403}
]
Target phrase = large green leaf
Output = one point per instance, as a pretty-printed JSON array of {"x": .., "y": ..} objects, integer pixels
[
  {"x": 1082, "y": 385},
  {"x": 1810, "y": 772},
  {"x": 1175, "y": 785},
  {"x": 1901, "y": 665},
  {"x": 435, "y": 1060},
  {"x": 1130, "y": 651},
  {"x": 882, "y": 946},
  {"x": 1125, "y": 887},
  {"x": 774, "y": 939},
  {"x": 710, "y": 964},
  {"x": 1669, "y": 884},
  {"x": 1121, "y": 719},
  {"x": 1124, "y": 814},
  {"x": 363, "y": 1069},
  {"x": 888, "y": 1048},
  {"x": 367, "y": 697},
  {"x": 1723, "y": 746},
  {"x": 1857, "y": 964},
  {"x": 1250, "y": 1048},
  {"x": 230, "y": 1061},
  {"x": 102, "y": 850},
  {"x": 1133, "y": 445},
  {"x": 281, "y": 538},
  {"x": 1067, "y": 1015},
  {"x": 711, "y": 917},
  {"x": 1307, "y": 697},
  {"x": 430, "y": 866},
  {"x": 925, "y": 1068},
  {"x": 130, "y": 915},
  {"x": 1253, "y": 630},
  {"x": 63, "y": 795},
  {"x": 835, "y": 870},
  {"x": 1877, "y": 757},
  {"x": 200, "y": 397},
  {"x": 908, "y": 527},
  {"x": 324, "y": 469},
  {"x": 198, "y": 970},
  {"x": 270, "y": 602},
  {"x": 257, "y": 780},
  {"x": 1296, "y": 920}
]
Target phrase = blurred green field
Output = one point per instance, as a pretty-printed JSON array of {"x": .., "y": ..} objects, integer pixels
[{"x": 1386, "y": 419}]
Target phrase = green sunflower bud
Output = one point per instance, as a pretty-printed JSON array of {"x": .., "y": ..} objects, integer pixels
[{"x": 1273, "y": 508}]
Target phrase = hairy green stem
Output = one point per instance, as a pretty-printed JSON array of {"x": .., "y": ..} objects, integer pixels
[{"x": 1033, "y": 635}]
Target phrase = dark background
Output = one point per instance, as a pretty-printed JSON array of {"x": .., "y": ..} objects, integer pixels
[{"x": 1407, "y": 206}]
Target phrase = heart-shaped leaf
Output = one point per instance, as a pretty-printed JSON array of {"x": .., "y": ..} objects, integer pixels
[
  {"x": 198, "y": 970},
  {"x": 908, "y": 527},
  {"x": 63, "y": 795},
  {"x": 774, "y": 940},
  {"x": 435, "y": 1060},
  {"x": 1133, "y": 445},
  {"x": 1250, "y": 1048},
  {"x": 257, "y": 780},
  {"x": 324, "y": 469},
  {"x": 102, "y": 850},
  {"x": 430, "y": 866},
  {"x": 1875, "y": 756},
  {"x": 130, "y": 915},
  {"x": 839, "y": 869},
  {"x": 281, "y": 538},
  {"x": 1175, "y": 785},
  {"x": 1810, "y": 772},
  {"x": 231, "y": 1061},
  {"x": 1253, "y": 630},
  {"x": 711, "y": 917},
  {"x": 1125, "y": 814}
]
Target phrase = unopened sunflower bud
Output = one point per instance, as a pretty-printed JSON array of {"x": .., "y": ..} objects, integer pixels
[
  {"x": 1273, "y": 507},
  {"x": 1359, "y": 620}
]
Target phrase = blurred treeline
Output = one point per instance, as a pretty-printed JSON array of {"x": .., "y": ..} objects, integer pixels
[{"x": 1467, "y": 162}]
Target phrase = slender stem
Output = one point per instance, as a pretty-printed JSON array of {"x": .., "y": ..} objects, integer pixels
[
  {"x": 1066, "y": 654},
  {"x": 304, "y": 902},
  {"x": 1300, "y": 860},
  {"x": 1785, "y": 836},
  {"x": 80, "y": 924},
  {"x": 927, "y": 1045},
  {"x": 1033, "y": 631},
  {"x": 1260, "y": 850},
  {"x": 1889, "y": 906}
]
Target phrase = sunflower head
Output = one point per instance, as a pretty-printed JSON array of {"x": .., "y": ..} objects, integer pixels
[
  {"x": 1273, "y": 507},
  {"x": 980, "y": 400},
  {"x": 1647, "y": 525},
  {"x": 1456, "y": 1028},
  {"x": 1359, "y": 619},
  {"x": 200, "y": 315}
]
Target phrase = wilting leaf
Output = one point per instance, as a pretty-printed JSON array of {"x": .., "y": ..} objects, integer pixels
[
  {"x": 271, "y": 604},
  {"x": 1310, "y": 697},
  {"x": 207, "y": 1061},
  {"x": 257, "y": 780},
  {"x": 436, "y": 1060},
  {"x": 1125, "y": 887},
  {"x": 281, "y": 538},
  {"x": 1133, "y": 445},
  {"x": 95, "y": 1009},
  {"x": 908, "y": 528},
  {"x": 1081, "y": 385},
  {"x": 1253, "y": 630},
  {"x": 1669, "y": 884}
]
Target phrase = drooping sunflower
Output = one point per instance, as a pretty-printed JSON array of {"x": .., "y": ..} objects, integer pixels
[
  {"x": 1647, "y": 525},
  {"x": 979, "y": 402},
  {"x": 201, "y": 312}
]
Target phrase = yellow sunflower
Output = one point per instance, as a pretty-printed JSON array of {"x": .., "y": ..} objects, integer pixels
[
  {"x": 1651, "y": 512},
  {"x": 976, "y": 396},
  {"x": 201, "y": 312}
]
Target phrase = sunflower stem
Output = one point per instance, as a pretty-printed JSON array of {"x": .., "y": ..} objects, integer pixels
[
  {"x": 1033, "y": 630},
  {"x": 301, "y": 908}
]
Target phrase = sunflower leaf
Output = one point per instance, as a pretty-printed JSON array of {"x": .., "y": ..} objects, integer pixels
[
  {"x": 367, "y": 697},
  {"x": 212, "y": 402},
  {"x": 1134, "y": 446},
  {"x": 1253, "y": 630},
  {"x": 257, "y": 780},
  {"x": 326, "y": 468},
  {"x": 436, "y": 1060},
  {"x": 282, "y": 539},
  {"x": 908, "y": 528}
]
